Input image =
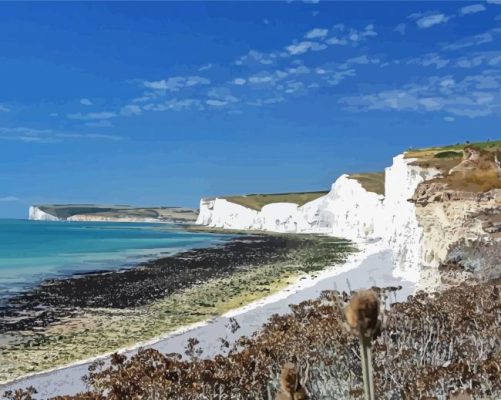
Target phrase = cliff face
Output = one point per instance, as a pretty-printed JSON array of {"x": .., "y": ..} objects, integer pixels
[
  {"x": 402, "y": 231},
  {"x": 423, "y": 235},
  {"x": 37, "y": 214},
  {"x": 348, "y": 210},
  {"x": 100, "y": 213}
]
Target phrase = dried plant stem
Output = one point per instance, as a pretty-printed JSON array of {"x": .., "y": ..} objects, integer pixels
[{"x": 365, "y": 353}]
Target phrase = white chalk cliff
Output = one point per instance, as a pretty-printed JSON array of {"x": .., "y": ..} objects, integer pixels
[
  {"x": 37, "y": 214},
  {"x": 352, "y": 212}
]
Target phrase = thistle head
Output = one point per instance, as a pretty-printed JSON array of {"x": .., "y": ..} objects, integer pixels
[{"x": 362, "y": 314}]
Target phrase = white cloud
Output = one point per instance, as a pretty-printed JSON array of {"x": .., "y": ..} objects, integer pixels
[
  {"x": 4, "y": 109},
  {"x": 54, "y": 114},
  {"x": 205, "y": 67},
  {"x": 174, "y": 105},
  {"x": 489, "y": 58},
  {"x": 304, "y": 46},
  {"x": 239, "y": 81},
  {"x": 400, "y": 28},
  {"x": 427, "y": 20},
  {"x": 494, "y": 1},
  {"x": 341, "y": 36},
  {"x": 316, "y": 33},
  {"x": 473, "y": 96},
  {"x": 86, "y": 102},
  {"x": 472, "y": 9},
  {"x": 258, "y": 79},
  {"x": 30, "y": 135},
  {"x": 220, "y": 95},
  {"x": 449, "y": 119},
  {"x": 469, "y": 41},
  {"x": 9, "y": 198},
  {"x": 92, "y": 115},
  {"x": 176, "y": 83},
  {"x": 129, "y": 110},
  {"x": 256, "y": 57},
  {"x": 430, "y": 59}
]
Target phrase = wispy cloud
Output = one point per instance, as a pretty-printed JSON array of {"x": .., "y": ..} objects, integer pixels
[
  {"x": 254, "y": 57},
  {"x": 472, "y": 9},
  {"x": 92, "y": 115},
  {"x": 176, "y": 83},
  {"x": 318, "y": 39},
  {"x": 9, "y": 198},
  {"x": 475, "y": 40},
  {"x": 31, "y": 135},
  {"x": 488, "y": 58},
  {"x": 205, "y": 67},
  {"x": 317, "y": 33},
  {"x": 85, "y": 102},
  {"x": 4, "y": 108},
  {"x": 429, "y": 19},
  {"x": 304, "y": 46},
  {"x": 472, "y": 96},
  {"x": 220, "y": 96},
  {"x": 130, "y": 110},
  {"x": 400, "y": 28},
  {"x": 174, "y": 105},
  {"x": 430, "y": 59}
]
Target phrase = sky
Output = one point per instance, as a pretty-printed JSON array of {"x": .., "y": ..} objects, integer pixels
[{"x": 164, "y": 103}]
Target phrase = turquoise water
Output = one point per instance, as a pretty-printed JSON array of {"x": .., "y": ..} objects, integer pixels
[{"x": 31, "y": 251}]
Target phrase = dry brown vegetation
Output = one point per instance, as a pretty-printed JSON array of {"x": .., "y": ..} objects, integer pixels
[
  {"x": 473, "y": 168},
  {"x": 432, "y": 346}
]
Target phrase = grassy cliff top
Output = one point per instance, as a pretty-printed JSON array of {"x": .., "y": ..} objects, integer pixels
[
  {"x": 474, "y": 176},
  {"x": 258, "y": 201},
  {"x": 370, "y": 181},
  {"x": 449, "y": 150},
  {"x": 117, "y": 211}
]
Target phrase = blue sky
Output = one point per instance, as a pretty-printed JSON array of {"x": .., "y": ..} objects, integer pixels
[{"x": 163, "y": 103}]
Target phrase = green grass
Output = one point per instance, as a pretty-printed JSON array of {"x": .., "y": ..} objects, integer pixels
[
  {"x": 258, "y": 201},
  {"x": 448, "y": 154},
  {"x": 370, "y": 181},
  {"x": 489, "y": 145}
]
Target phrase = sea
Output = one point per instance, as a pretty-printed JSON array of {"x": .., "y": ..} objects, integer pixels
[{"x": 33, "y": 251}]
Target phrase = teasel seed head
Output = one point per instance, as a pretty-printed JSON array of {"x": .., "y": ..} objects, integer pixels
[{"x": 362, "y": 314}]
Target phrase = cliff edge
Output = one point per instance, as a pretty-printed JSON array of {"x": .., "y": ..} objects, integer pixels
[{"x": 434, "y": 208}]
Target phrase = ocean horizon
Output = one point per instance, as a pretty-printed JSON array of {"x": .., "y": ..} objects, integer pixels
[{"x": 33, "y": 251}]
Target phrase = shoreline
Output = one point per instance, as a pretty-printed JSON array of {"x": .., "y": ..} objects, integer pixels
[
  {"x": 251, "y": 316},
  {"x": 78, "y": 324}
]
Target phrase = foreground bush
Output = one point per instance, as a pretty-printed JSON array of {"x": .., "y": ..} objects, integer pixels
[{"x": 432, "y": 346}]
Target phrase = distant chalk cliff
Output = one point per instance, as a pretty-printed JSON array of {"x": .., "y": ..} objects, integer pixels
[{"x": 91, "y": 212}]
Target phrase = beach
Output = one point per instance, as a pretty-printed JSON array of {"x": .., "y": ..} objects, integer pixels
[
  {"x": 371, "y": 266},
  {"x": 64, "y": 321}
]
